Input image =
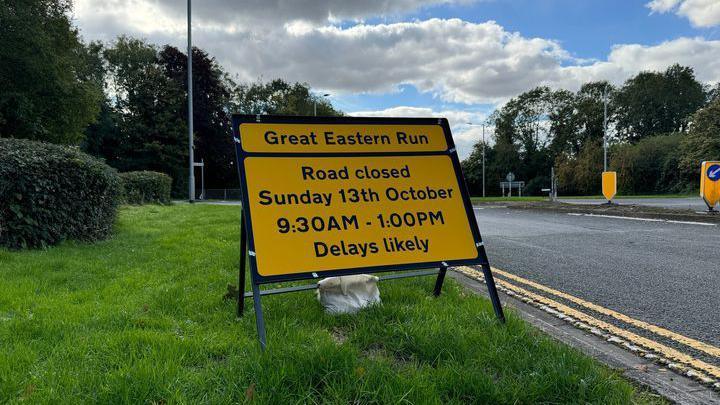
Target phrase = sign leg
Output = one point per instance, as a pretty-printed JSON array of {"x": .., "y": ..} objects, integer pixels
[
  {"x": 492, "y": 291},
  {"x": 259, "y": 321},
  {"x": 241, "y": 271},
  {"x": 439, "y": 281}
]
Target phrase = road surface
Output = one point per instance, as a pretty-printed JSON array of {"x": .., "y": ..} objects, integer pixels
[
  {"x": 666, "y": 274},
  {"x": 692, "y": 203}
]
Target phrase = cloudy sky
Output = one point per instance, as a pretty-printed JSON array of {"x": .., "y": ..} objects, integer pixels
[{"x": 459, "y": 59}]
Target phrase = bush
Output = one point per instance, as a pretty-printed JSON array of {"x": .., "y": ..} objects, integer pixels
[
  {"x": 649, "y": 166},
  {"x": 49, "y": 193},
  {"x": 581, "y": 174},
  {"x": 702, "y": 142},
  {"x": 146, "y": 187}
]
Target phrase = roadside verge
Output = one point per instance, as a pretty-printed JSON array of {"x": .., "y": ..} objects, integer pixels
[
  {"x": 621, "y": 210},
  {"x": 646, "y": 371}
]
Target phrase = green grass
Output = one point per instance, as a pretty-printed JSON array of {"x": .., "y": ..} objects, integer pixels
[
  {"x": 141, "y": 319},
  {"x": 620, "y": 197}
]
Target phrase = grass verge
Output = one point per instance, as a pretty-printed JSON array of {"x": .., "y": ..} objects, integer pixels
[
  {"x": 141, "y": 318},
  {"x": 477, "y": 200}
]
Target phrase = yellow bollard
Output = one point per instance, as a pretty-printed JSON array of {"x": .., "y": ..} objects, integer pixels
[{"x": 609, "y": 185}]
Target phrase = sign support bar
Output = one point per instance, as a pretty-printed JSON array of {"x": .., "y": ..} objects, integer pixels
[
  {"x": 439, "y": 281},
  {"x": 256, "y": 292},
  {"x": 259, "y": 320},
  {"x": 492, "y": 291},
  {"x": 241, "y": 272}
]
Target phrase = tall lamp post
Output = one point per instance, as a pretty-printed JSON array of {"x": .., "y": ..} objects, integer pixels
[
  {"x": 315, "y": 103},
  {"x": 605, "y": 140},
  {"x": 483, "y": 154},
  {"x": 191, "y": 178}
]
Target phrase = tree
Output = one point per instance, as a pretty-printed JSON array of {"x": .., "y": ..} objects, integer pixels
[
  {"x": 279, "y": 97},
  {"x": 649, "y": 166},
  {"x": 212, "y": 104},
  {"x": 580, "y": 175},
  {"x": 653, "y": 103},
  {"x": 49, "y": 85},
  {"x": 702, "y": 142},
  {"x": 472, "y": 169},
  {"x": 522, "y": 131},
  {"x": 147, "y": 106}
]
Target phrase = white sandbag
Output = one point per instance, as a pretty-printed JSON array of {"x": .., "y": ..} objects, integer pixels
[{"x": 348, "y": 294}]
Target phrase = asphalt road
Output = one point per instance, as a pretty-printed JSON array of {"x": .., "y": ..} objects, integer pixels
[
  {"x": 667, "y": 274},
  {"x": 693, "y": 203}
]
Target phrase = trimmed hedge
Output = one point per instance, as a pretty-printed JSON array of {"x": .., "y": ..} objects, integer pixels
[
  {"x": 145, "y": 187},
  {"x": 49, "y": 193}
]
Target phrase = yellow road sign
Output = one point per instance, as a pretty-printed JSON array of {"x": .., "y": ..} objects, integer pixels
[
  {"x": 710, "y": 183},
  {"x": 609, "y": 185},
  {"x": 341, "y": 138},
  {"x": 333, "y": 196},
  {"x": 328, "y": 213}
]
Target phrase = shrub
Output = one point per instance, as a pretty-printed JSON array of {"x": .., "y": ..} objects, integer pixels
[
  {"x": 146, "y": 187},
  {"x": 702, "y": 142},
  {"x": 49, "y": 193},
  {"x": 648, "y": 166}
]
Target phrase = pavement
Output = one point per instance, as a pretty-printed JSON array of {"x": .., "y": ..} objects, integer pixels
[{"x": 692, "y": 203}]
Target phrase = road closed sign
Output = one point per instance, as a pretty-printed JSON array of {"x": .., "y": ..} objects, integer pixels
[
  {"x": 333, "y": 196},
  {"x": 710, "y": 183}
]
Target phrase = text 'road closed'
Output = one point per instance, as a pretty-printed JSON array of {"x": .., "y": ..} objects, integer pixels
[{"x": 328, "y": 213}]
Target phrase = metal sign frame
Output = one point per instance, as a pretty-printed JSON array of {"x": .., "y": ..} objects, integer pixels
[{"x": 247, "y": 245}]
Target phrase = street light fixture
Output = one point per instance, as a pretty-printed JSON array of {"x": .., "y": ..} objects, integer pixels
[
  {"x": 315, "y": 103},
  {"x": 483, "y": 154}
]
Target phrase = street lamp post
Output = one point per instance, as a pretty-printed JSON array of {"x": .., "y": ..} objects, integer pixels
[
  {"x": 483, "y": 158},
  {"x": 315, "y": 103},
  {"x": 605, "y": 141},
  {"x": 191, "y": 178}
]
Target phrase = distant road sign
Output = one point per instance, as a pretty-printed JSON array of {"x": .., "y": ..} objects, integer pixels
[
  {"x": 510, "y": 177},
  {"x": 709, "y": 184},
  {"x": 609, "y": 185}
]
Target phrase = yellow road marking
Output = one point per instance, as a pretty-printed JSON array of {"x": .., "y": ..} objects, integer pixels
[
  {"x": 632, "y": 337},
  {"x": 695, "y": 344}
]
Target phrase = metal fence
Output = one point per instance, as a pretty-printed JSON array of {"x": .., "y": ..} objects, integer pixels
[{"x": 222, "y": 194}]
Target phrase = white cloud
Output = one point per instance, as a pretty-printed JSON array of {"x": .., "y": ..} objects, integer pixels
[
  {"x": 455, "y": 60},
  {"x": 627, "y": 60},
  {"x": 149, "y": 16},
  {"x": 465, "y": 135},
  {"x": 701, "y": 13}
]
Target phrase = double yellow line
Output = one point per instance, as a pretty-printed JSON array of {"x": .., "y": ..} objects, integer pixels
[{"x": 648, "y": 344}]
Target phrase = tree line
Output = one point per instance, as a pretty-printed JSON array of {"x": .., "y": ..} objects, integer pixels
[
  {"x": 126, "y": 101},
  {"x": 661, "y": 125}
]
